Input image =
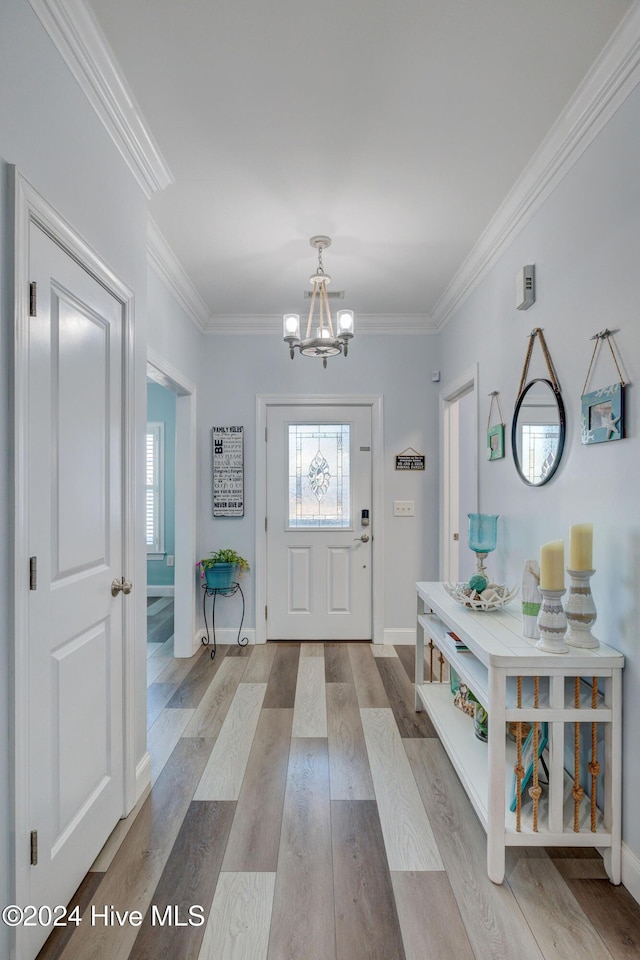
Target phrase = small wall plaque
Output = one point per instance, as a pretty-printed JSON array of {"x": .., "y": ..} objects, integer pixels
[
  {"x": 228, "y": 471},
  {"x": 410, "y": 459}
]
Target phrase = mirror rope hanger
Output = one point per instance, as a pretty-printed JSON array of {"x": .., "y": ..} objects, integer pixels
[
  {"x": 537, "y": 332},
  {"x": 599, "y": 337}
]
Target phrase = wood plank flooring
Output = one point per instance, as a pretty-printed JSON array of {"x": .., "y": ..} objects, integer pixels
[{"x": 301, "y": 810}]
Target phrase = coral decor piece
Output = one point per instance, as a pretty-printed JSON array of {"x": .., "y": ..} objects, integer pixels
[{"x": 493, "y": 597}]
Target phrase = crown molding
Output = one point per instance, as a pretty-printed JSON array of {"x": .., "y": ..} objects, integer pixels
[
  {"x": 399, "y": 325},
  {"x": 81, "y": 44},
  {"x": 170, "y": 271},
  {"x": 611, "y": 79}
]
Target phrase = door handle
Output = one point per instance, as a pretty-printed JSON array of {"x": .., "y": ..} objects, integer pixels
[
  {"x": 121, "y": 585},
  {"x": 364, "y": 538}
]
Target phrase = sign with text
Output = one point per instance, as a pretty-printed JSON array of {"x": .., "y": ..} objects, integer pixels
[
  {"x": 228, "y": 471},
  {"x": 410, "y": 460}
]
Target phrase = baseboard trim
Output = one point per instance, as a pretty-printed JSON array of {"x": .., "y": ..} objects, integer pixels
[
  {"x": 400, "y": 635},
  {"x": 226, "y": 635},
  {"x": 230, "y": 635},
  {"x": 143, "y": 775},
  {"x": 160, "y": 590},
  {"x": 631, "y": 871}
]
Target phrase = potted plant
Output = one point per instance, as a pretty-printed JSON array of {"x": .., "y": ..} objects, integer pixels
[{"x": 222, "y": 567}]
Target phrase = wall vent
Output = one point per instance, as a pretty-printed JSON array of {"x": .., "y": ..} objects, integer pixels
[{"x": 332, "y": 294}]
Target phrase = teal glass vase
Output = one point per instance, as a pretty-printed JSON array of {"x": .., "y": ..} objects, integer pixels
[
  {"x": 483, "y": 532},
  {"x": 483, "y": 536}
]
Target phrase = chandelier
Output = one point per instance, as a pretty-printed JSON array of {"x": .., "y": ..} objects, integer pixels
[{"x": 327, "y": 340}]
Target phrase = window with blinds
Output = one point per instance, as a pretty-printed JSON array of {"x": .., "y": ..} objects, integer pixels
[{"x": 155, "y": 492}]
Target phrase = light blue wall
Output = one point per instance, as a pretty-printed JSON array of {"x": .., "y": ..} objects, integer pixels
[
  {"x": 584, "y": 243},
  {"x": 234, "y": 369},
  {"x": 161, "y": 408}
]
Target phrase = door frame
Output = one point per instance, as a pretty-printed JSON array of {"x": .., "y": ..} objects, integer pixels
[
  {"x": 375, "y": 403},
  {"x": 466, "y": 383},
  {"x": 30, "y": 207},
  {"x": 163, "y": 372}
]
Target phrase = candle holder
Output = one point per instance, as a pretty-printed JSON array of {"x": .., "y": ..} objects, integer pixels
[
  {"x": 552, "y": 622},
  {"x": 580, "y": 610},
  {"x": 483, "y": 534}
]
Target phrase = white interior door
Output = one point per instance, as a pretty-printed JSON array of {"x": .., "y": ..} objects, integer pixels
[
  {"x": 75, "y": 530},
  {"x": 459, "y": 474},
  {"x": 319, "y": 557},
  {"x": 467, "y": 482}
]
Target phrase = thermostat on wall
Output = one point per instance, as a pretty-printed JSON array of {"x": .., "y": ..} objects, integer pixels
[{"x": 525, "y": 289}]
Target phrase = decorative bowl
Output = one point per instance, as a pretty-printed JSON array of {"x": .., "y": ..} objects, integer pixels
[{"x": 493, "y": 597}]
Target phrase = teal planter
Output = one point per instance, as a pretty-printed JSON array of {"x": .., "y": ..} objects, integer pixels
[{"x": 219, "y": 576}]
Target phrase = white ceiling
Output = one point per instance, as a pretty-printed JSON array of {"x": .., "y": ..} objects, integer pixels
[{"x": 397, "y": 128}]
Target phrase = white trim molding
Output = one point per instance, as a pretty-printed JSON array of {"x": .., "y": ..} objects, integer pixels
[
  {"x": 170, "y": 271},
  {"x": 400, "y": 636},
  {"x": 631, "y": 871},
  {"x": 467, "y": 382},
  {"x": 143, "y": 775},
  {"x": 83, "y": 47},
  {"x": 405, "y": 324},
  {"x": 227, "y": 635},
  {"x": 165, "y": 373},
  {"x": 611, "y": 79},
  {"x": 161, "y": 590}
]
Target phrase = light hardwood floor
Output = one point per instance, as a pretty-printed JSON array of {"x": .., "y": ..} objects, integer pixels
[{"x": 308, "y": 814}]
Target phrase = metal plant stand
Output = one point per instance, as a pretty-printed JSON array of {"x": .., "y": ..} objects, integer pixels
[{"x": 224, "y": 592}]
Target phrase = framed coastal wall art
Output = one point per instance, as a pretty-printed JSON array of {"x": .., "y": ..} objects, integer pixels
[
  {"x": 603, "y": 410},
  {"x": 603, "y": 414}
]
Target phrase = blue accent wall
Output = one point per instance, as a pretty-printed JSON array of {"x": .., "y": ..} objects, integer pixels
[{"x": 161, "y": 408}]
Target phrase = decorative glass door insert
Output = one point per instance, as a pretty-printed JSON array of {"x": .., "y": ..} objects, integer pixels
[{"x": 319, "y": 475}]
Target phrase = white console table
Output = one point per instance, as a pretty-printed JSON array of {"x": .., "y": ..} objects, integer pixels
[{"x": 498, "y": 655}]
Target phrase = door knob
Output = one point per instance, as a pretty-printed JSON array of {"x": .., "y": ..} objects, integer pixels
[
  {"x": 121, "y": 585},
  {"x": 364, "y": 538}
]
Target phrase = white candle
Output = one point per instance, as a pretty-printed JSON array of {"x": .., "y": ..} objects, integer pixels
[
  {"x": 552, "y": 565},
  {"x": 581, "y": 546}
]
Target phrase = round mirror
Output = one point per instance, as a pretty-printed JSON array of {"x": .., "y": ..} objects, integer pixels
[{"x": 537, "y": 433}]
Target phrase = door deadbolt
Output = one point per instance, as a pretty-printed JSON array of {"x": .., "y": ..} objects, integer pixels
[{"x": 121, "y": 585}]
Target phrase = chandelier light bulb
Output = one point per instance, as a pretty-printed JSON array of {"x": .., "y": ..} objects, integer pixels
[
  {"x": 345, "y": 321},
  {"x": 291, "y": 324}
]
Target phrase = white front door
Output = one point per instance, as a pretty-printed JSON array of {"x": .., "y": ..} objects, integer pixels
[
  {"x": 75, "y": 530},
  {"x": 318, "y": 548}
]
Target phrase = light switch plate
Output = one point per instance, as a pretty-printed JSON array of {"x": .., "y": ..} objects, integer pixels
[{"x": 404, "y": 508}]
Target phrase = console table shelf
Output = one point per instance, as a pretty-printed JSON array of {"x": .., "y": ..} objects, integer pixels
[{"x": 498, "y": 655}]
